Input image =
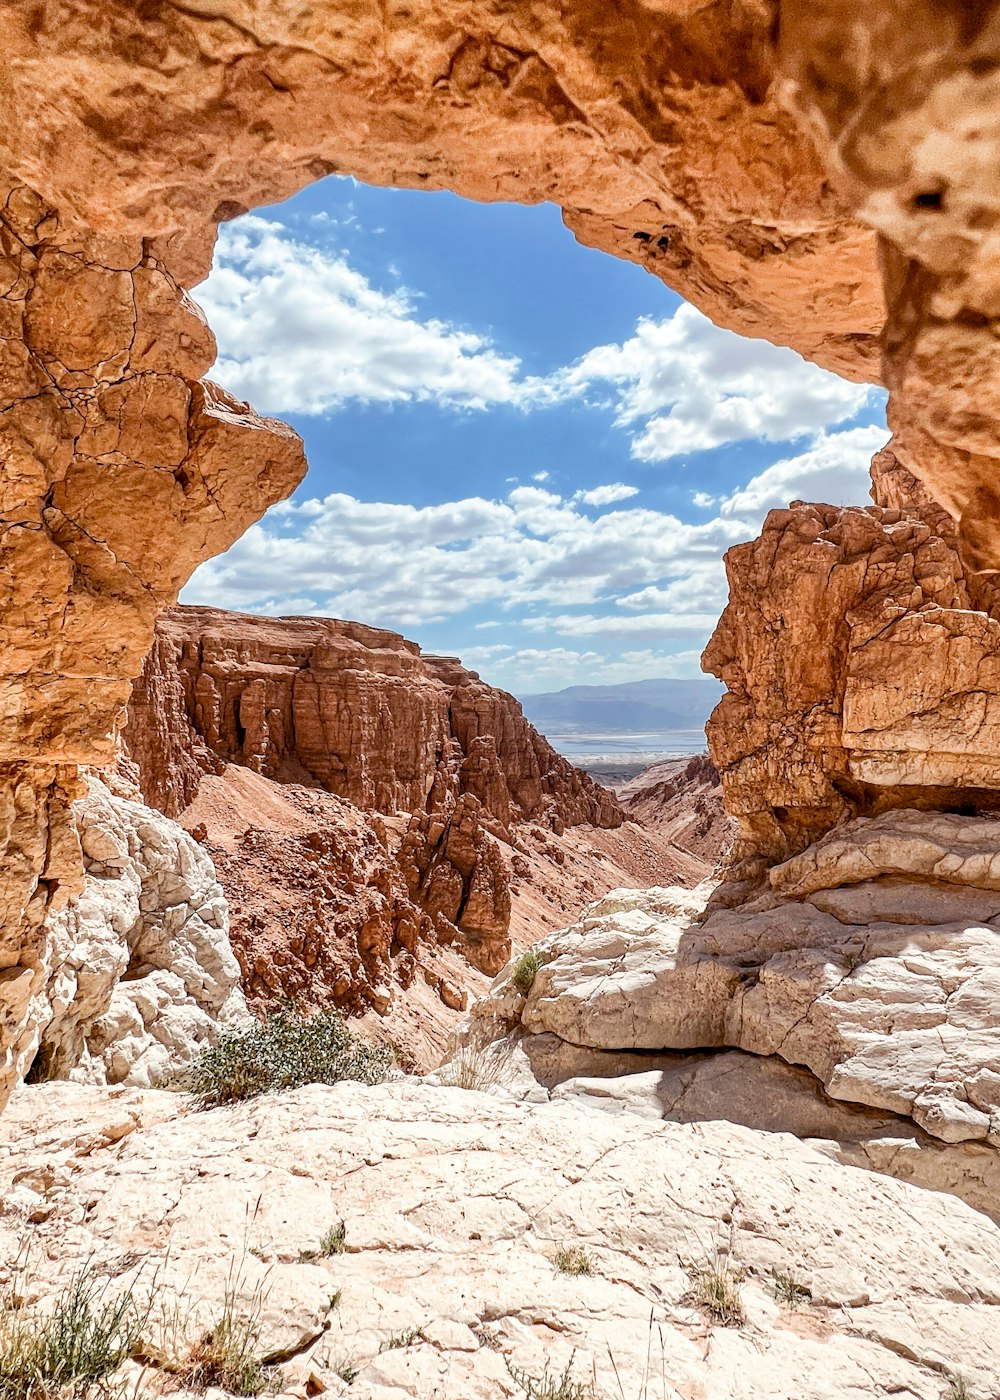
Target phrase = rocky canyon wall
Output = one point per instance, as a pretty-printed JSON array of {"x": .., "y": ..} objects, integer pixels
[
  {"x": 862, "y": 665},
  {"x": 375, "y": 813},
  {"x": 122, "y": 471},
  {"x": 360, "y": 711}
]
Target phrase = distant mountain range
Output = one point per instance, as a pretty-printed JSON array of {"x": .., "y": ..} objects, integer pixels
[{"x": 635, "y": 707}]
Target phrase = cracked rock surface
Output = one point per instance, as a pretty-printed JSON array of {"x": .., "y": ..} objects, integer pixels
[
  {"x": 454, "y": 1204},
  {"x": 862, "y": 664}
]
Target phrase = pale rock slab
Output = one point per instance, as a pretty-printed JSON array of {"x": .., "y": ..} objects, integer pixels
[
  {"x": 454, "y": 1204},
  {"x": 895, "y": 1012}
]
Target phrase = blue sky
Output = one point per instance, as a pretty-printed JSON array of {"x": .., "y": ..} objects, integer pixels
[{"x": 522, "y": 451}]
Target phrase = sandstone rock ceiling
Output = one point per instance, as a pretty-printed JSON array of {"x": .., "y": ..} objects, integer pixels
[{"x": 722, "y": 143}]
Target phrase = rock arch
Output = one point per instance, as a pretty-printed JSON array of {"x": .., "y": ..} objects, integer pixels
[{"x": 751, "y": 153}]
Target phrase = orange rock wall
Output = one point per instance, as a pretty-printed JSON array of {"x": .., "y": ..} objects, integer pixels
[
  {"x": 862, "y": 667},
  {"x": 357, "y": 709}
]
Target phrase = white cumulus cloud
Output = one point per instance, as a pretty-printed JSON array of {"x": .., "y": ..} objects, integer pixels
[
  {"x": 301, "y": 331},
  {"x": 684, "y": 385},
  {"x": 834, "y": 469},
  {"x": 606, "y": 495}
]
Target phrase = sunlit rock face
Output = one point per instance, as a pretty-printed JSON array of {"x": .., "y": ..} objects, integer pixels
[
  {"x": 853, "y": 1002},
  {"x": 137, "y": 973},
  {"x": 904, "y": 100},
  {"x": 862, "y": 665},
  {"x": 359, "y": 710},
  {"x": 655, "y": 126},
  {"x": 362, "y": 713}
]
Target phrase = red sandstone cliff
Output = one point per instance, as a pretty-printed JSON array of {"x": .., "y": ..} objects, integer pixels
[
  {"x": 359, "y": 711},
  {"x": 860, "y": 657},
  {"x": 384, "y": 824}
]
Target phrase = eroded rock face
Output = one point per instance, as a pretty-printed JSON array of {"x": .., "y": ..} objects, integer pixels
[
  {"x": 123, "y": 470},
  {"x": 364, "y": 714},
  {"x": 862, "y": 665},
  {"x": 454, "y": 1205},
  {"x": 904, "y": 100},
  {"x": 873, "y": 962},
  {"x": 137, "y": 973},
  {"x": 697, "y": 139},
  {"x": 655, "y": 127},
  {"x": 321, "y": 914},
  {"x": 681, "y": 798},
  {"x": 359, "y": 710}
]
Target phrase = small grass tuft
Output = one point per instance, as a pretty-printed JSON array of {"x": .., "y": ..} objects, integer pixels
[
  {"x": 399, "y": 1341},
  {"x": 74, "y": 1345},
  {"x": 226, "y": 1355},
  {"x": 347, "y": 1371},
  {"x": 285, "y": 1051},
  {"x": 472, "y": 1067},
  {"x": 526, "y": 968},
  {"x": 570, "y": 1259},
  {"x": 552, "y": 1387},
  {"x": 787, "y": 1291},
  {"x": 958, "y": 1389},
  {"x": 715, "y": 1287},
  {"x": 334, "y": 1240}
]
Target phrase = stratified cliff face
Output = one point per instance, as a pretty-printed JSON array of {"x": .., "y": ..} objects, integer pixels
[
  {"x": 338, "y": 722},
  {"x": 862, "y": 663},
  {"x": 359, "y": 711}
]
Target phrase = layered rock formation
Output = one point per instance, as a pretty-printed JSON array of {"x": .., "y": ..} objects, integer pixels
[
  {"x": 873, "y": 962},
  {"x": 721, "y": 146},
  {"x": 862, "y": 665},
  {"x": 383, "y": 822},
  {"x": 359, "y": 711},
  {"x": 455, "y": 1206},
  {"x": 364, "y": 715}
]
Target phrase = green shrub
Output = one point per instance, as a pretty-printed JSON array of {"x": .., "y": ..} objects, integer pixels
[
  {"x": 399, "y": 1341},
  {"x": 71, "y": 1347},
  {"x": 525, "y": 969},
  {"x": 333, "y": 1241},
  {"x": 283, "y": 1052}
]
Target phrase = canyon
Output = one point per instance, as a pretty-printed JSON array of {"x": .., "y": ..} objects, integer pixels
[
  {"x": 785, "y": 1082},
  {"x": 385, "y": 826}
]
